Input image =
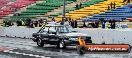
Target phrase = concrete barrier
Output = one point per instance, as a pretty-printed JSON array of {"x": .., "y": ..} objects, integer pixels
[
  {"x": 19, "y": 32},
  {"x": 108, "y": 35},
  {"x": 2, "y": 31},
  {"x": 98, "y": 35}
]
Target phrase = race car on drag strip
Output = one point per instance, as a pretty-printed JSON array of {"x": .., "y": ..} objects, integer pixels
[{"x": 58, "y": 35}]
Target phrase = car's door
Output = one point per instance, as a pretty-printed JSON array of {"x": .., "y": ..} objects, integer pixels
[
  {"x": 52, "y": 34},
  {"x": 43, "y": 33}
]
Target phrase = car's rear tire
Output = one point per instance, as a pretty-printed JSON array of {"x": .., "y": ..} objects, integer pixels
[
  {"x": 81, "y": 50},
  {"x": 40, "y": 43},
  {"x": 61, "y": 44}
]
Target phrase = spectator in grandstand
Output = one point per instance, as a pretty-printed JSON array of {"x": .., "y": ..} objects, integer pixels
[
  {"x": 114, "y": 5},
  {"x": 77, "y": 6},
  {"x": 111, "y": 5},
  {"x": 108, "y": 7},
  {"x": 80, "y": 5},
  {"x": 75, "y": 24}
]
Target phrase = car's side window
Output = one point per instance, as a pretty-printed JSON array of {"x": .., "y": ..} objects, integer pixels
[
  {"x": 44, "y": 31},
  {"x": 51, "y": 30}
]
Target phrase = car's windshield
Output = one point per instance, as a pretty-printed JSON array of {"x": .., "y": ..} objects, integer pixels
[
  {"x": 59, "y": 29},
  {"x": 64, "y": 29}
]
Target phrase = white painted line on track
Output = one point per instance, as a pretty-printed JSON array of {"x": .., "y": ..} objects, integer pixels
[{"x": 9, "y": 51}]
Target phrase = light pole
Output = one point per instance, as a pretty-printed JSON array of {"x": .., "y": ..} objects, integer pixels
[{"x": 64, "y": 10}]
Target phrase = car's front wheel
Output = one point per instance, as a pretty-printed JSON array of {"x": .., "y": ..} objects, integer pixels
[
  {"x": 61, "y": 44},
  {"x": 40, "y": 43}
]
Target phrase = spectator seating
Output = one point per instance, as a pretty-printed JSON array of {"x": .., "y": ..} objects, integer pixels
[
  {"x": 92, "y": 7},
  {"x": 11, "y": 7},
  {"x": 41, "y": 8},
  {"x": 119, "y": 14},
  {"x": 3, "y": 2}
]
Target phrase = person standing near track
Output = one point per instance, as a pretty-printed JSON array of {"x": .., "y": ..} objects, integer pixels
[
  {"x": 72, "y": 23},
  {"x": 75, "y": 24},
  {"x": 113, "y": 24},
  {"x": 103, "y": 23},
  {"x": 96, "y": 24}
]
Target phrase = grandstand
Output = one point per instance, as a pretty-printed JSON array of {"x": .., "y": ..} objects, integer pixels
[
  {"x": 91, "y": 8},
  {"x": 40, "y": 8},
  {"x": 119, "y": 14},
  {"x": 9, "y": 7}
]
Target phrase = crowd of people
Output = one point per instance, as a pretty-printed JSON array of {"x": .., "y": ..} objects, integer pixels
[
  {"x": 95, "y": 24},
  {"x": 100, "y": 23},
  {"x": 28, "y": 23},
  {"x": 73, "y": 23}
]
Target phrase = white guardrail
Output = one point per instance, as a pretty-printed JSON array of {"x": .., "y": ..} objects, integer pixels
[{"x": 98, "y": 35}]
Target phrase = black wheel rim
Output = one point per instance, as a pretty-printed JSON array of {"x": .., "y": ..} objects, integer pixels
[{"x": 39, "y": 42}]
